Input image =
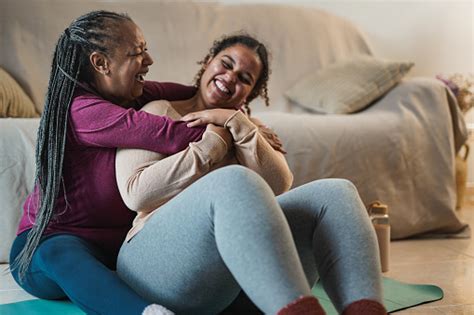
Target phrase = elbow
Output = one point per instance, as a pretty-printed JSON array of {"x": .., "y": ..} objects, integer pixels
[
  {"x": 289, "y": 181},
  {"x": 284, "y": 184},
  {"x": 131, "y": 194},
  {"x": 132, "y": 203},
  {"x": 139, "y": 202},
  {"x": 139, "y": 197},
  {"x": 131, "y": 199}
]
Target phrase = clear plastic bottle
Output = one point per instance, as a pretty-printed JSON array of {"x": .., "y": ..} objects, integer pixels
[{"x": 379, "y": 216}]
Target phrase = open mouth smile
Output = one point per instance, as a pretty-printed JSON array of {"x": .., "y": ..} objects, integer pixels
[
  {"x": 140, "y": 77},
  {"x": 222, "y": 88}
]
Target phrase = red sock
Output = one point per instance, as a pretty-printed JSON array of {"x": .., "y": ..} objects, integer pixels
[
  {"x": 366, "y": 307},
  {"x": 305, "y": 305}
]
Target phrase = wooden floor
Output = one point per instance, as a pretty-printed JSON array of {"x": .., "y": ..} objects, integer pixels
[{"x": 448, "y": 263}]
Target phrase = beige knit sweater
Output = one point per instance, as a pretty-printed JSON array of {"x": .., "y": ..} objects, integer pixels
[{"x": 147, "y": 180}]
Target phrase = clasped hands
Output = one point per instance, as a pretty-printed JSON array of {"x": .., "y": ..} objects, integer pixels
[{"x": 216, "y": 119}]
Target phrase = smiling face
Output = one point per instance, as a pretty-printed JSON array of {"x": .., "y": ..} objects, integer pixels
[
  {"x": 119, "y": 77},
  {"x": 230, "y": 77}
]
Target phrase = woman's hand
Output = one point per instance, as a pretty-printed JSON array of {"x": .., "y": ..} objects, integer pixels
[
  {"x": 271, "y": 137},
  {"x": 223, "y": 132},
  {"x": 219, "y": 116},
  {"x": 216, "y": 116}
]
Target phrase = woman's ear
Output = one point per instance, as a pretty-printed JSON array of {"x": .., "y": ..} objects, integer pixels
[{"x": 99, "y": 62}]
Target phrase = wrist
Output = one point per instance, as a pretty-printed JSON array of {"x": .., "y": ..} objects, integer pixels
[{"x": 229, "y": 118}]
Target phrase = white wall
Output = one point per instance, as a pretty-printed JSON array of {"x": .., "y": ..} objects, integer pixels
[{"x": 437, "y": 35}]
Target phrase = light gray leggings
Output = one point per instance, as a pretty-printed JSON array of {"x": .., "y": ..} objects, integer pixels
[{"x": 227, "y": 232}]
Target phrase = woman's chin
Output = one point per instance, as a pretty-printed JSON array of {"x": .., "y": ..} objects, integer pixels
[
  {"x": 211, "y": 104},
  {"x": 217, "y": 100}
]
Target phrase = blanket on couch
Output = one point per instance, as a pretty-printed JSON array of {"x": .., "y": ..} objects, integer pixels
[{"x": 401, "y": 150}]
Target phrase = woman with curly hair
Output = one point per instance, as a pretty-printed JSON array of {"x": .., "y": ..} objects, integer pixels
[{"x": 218, "y": 217}]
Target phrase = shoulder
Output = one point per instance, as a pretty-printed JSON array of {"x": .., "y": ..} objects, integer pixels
[
  {"x": 81, "y": 96},
  {"x": 160, "y": 107},
  {"x": 90, "y": 108},
  {"x": 86, "y": 100}
]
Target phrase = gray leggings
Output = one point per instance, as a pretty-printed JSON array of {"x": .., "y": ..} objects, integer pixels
[{"x": 228, "y": 232}]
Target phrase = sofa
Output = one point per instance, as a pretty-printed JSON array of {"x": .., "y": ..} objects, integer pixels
[{"x": 400, "y": 149}]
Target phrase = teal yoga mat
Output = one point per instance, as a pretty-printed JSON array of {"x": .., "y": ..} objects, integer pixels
[
  {"x": 398, "y": 296},
  {"x": 40, "y": 307}
]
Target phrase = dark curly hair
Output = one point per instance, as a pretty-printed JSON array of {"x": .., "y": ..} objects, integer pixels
[{"x": 261, "y": 86}]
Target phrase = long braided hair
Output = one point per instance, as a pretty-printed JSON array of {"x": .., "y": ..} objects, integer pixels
[
  {"x": 94, "y": 31},
  {"x": 242, "y": 38}
]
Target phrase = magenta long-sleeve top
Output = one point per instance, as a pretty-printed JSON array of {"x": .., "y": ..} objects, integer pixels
[{"x": 89, "y": 203}]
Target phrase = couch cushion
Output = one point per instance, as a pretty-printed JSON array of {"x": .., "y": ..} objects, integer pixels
[
  {"x": 17, "y": 169},
  {"x": 348, "y": 86},
  {"x": 13, "y": 100}
]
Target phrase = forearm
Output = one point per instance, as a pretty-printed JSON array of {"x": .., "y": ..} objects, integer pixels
[
  {"x": 253, "y": 151},
  {"x": 147, "y": 180},
  {"x": 153, "y": 91},
  {"x": 95, "y": 122}
]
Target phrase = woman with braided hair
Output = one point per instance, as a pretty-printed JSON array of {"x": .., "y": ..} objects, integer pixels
[
  {"x": 74, "y": 221},
  {"x": 206, "y": 229}
]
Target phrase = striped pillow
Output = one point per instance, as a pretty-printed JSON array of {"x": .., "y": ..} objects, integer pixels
[{"x": 348, "y": 86}]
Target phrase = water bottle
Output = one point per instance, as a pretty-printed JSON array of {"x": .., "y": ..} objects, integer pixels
[{"x": 378, "y": 213}]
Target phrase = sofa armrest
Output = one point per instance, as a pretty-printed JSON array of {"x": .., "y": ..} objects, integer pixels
[{"x": 17, "y": 169}]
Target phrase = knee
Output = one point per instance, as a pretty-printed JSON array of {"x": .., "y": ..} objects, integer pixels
[
  {"x": 236, "y": 178},
  {"x": 334, "y": 193},
  {"x": 235, "y": 187},
  {"x": 233, "y": 170},
  {"x": 338, "y": 186},
  {"x": 343, "y": 184},
  {"x": 343, "y": 196}
]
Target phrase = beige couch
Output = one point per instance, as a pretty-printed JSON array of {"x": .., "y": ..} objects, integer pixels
[{"x": 396, "y": 150}]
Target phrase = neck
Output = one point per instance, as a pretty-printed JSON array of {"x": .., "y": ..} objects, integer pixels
[
  {"x": 193, "y": 104},
  {"x": 95, "y": 88},
  {"x": 200, "y": 104}
]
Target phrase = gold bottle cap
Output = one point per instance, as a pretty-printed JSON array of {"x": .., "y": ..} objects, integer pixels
[{"x": 377, "y": 207}]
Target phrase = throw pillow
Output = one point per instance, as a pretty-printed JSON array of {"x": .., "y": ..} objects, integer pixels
[
  {"x": 13, "y": 100},
  {"x": 348, "y": 86}
]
